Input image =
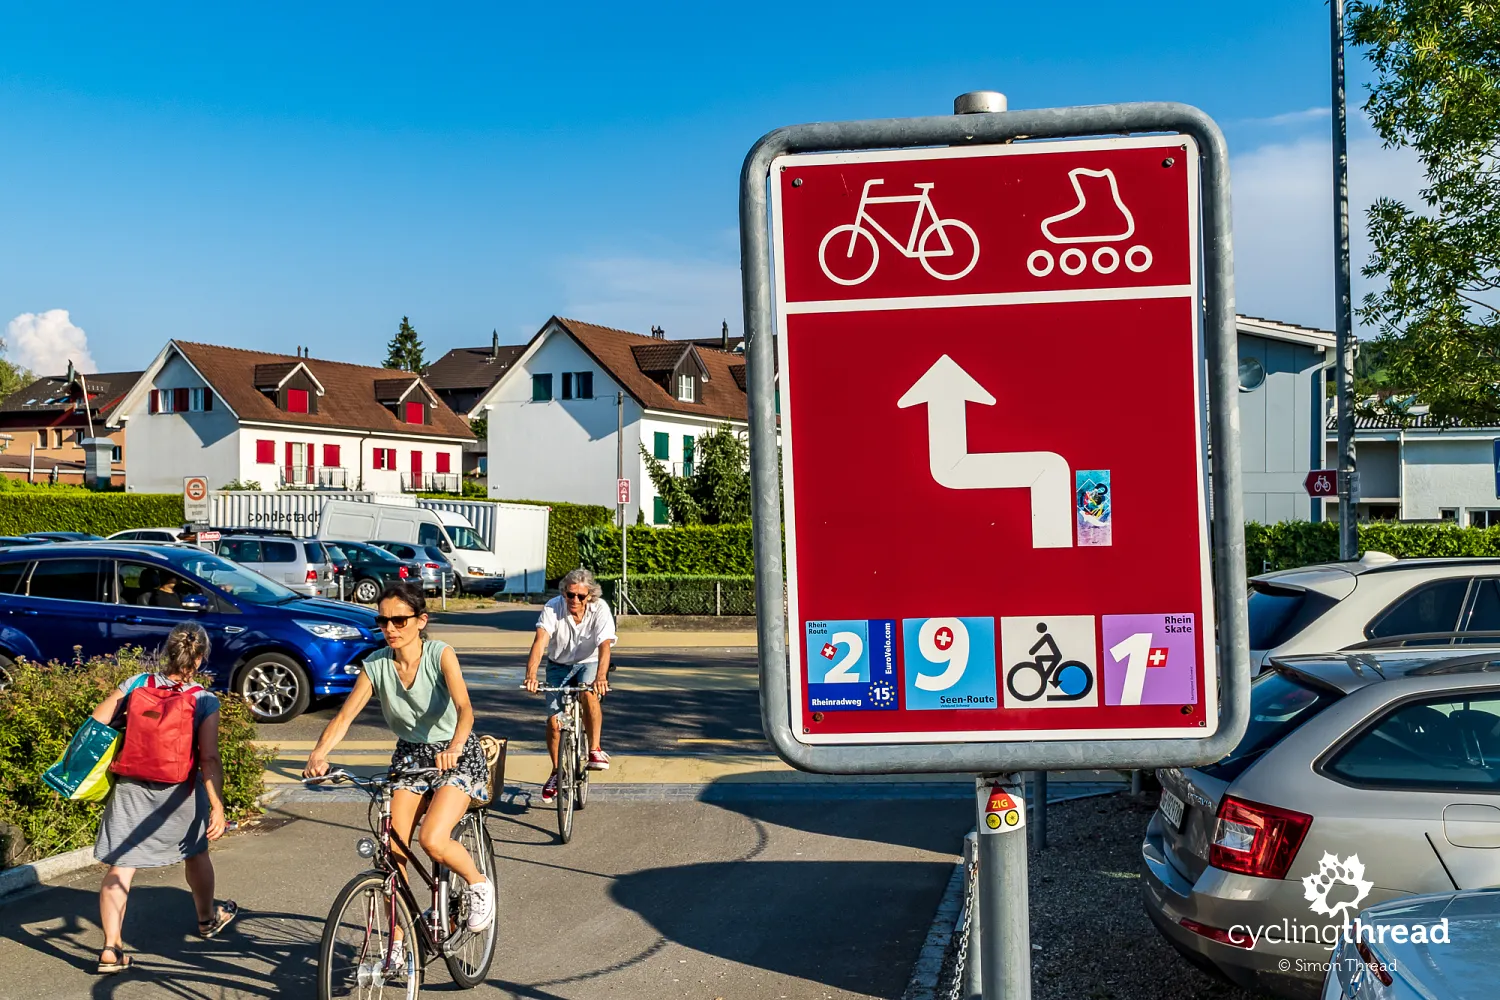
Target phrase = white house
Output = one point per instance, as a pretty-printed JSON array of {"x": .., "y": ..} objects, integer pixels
[
  {"x": 557, "y": 414},
  {"x": 286, "y": 422},
  {"x": 1422, "y": 472}
]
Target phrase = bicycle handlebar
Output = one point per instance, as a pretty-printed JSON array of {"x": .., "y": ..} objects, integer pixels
[{"x": 375, "y": 781}]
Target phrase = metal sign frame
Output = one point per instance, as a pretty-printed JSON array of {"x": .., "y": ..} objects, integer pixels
[{"x": 1218, "y": 325}]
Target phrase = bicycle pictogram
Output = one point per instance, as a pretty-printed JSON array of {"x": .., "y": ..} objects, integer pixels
[
  {"x": 1070, "y": 680},
  {"x": 1109, "y": 223},
  {"x": 934, "y": 242}
]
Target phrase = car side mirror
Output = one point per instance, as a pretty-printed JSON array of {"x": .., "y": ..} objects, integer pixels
[
  {"x": 195, "y": 602},
  {"x": 444, "y": 546}
]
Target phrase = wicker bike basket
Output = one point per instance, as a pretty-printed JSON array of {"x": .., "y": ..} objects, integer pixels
[{"x": 494, "y": 758}]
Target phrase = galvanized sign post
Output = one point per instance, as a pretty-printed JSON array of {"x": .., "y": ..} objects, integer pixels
[{"x": 1007, "y": 338}]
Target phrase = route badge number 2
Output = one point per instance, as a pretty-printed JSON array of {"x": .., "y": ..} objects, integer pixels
[{"x": 992, "y": 442}]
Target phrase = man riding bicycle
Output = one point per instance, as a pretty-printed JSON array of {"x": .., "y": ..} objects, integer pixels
[{"x": 575, "y": 633}]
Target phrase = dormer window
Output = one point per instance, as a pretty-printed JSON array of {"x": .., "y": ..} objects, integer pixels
[
  {"x": 687, "y": 388},
  {"x": 416, "y": 413},
  {"x": 296, "y": 401}
]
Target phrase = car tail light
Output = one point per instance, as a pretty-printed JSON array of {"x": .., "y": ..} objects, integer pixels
[
  {"x": 1218, "y": 934},
  {"x": 1372, "y": 963},
  {"x": 312, "y": 576},
  {"x": 402, "y": 572},
  {"x": 433, "y": 566},
  {"x": 1255, "y": 839}
]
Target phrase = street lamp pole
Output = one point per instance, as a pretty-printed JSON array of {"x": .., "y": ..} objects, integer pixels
[{"x": 1348, "y": 482}]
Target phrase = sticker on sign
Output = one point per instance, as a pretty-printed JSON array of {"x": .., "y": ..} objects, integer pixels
[{"x": 1017, "y": 328}]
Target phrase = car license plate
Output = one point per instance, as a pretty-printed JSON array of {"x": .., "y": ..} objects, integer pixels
[{"x": 1171, "y": 808}]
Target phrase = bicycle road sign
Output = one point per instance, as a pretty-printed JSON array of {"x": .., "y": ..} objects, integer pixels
[
  {"x": 988, "y": 356},
  {"x": 1322, "y": 483}
]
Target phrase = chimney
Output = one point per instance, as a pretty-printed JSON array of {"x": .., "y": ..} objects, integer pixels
[
  {"x": 658, "y": 333},
  {"x": 724, "y": 337},
  {"x": 70, "y": 373},
  {"x": 494, "y": 343}
]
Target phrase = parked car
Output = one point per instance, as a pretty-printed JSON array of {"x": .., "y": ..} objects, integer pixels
[
  {"x": 1335, "y": 605},
  {"x": 146, "y": 535},
  {"x": 272, "y": 646},
  {"x": 437, "y": 571},
  {"x": 1389, "y": 965},
  {"x": 14, "y": 541},
  {"x": 1365, "y": 775},
  {"x": 373, "y": 569},
  {"x": 297, "y": 563},
  {"x": 343, "y": 571},
  {"x": 65, "y": 536}
]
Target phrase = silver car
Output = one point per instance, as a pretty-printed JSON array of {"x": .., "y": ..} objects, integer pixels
[
  {"x": 1363, "y": 776},
  {"x": 437, "y": 571},
  {"x": 299, "y": 564},
  {"x": 1335, "y": 605},
  {"x": 1457, "y": 958}
]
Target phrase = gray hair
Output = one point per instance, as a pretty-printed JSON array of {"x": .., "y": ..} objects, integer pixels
[{"x": 583, "y": 576}]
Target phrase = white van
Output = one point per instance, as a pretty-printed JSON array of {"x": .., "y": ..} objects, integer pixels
[{"x": 475, "y": 567}]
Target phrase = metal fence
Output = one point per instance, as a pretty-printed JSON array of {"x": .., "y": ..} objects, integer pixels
[{"x": 684, "y": 595}]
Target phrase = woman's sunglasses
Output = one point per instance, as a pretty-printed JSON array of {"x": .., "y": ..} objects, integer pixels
[{"x": 400, "y": 621}]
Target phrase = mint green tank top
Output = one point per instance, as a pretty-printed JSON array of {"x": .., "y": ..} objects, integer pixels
[{"x": 422, "y": 713}]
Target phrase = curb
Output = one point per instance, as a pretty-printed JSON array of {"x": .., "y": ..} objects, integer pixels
[
  {"x": 928, "y": 970},
  {"x": 23, "y": 877}
]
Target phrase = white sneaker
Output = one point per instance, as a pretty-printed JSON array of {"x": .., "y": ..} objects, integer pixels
[
  {"x": 481, "y": 906},
  {"x": 396, "y": 959}
]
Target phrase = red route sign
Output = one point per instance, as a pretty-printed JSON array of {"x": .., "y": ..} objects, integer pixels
[
  {"x": 993, "y": 445},
  {"x": 622, "y": 487},
  {"x": 1322, "y": 483}
]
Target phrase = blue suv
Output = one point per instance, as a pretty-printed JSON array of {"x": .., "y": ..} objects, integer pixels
[{"x": 274, "y": 647}]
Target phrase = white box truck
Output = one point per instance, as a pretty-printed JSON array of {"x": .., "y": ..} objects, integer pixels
[{"x": 476, "y": 568}]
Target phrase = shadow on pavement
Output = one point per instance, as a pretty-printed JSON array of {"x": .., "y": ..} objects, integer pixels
[
  {"x": 857, "y": 926},
  {"x": 936, "y": 824},
  {"x": 506, "y": 619},
  {"x": 261, "y": 954}
]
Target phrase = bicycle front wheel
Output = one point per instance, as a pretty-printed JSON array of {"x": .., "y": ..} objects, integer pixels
[
  {"x": 356, "y": 946},
  {"x": 467, "y": 953},
  {"x": 567, "y": 778}
]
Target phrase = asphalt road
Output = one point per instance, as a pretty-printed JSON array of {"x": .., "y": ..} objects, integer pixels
[
  {"x": 667, "y": 700},
  {"x": 803, "y": 900}
]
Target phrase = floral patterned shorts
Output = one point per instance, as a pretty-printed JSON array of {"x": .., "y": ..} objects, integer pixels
[{"x": 472, "y": 773}]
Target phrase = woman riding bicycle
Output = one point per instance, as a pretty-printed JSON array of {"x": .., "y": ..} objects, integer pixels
[{"x": 426, "y": 705}]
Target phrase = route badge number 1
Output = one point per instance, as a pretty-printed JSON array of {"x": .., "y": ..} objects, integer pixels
[{"x": 992, "y": 442}]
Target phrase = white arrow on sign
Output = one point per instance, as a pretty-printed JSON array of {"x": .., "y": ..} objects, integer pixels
[{"x": 947, "y": 390}]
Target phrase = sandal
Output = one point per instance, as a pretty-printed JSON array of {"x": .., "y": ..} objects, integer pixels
[
  {"x": 224, "y": 914},
  {"x": 111, "y": 968}
]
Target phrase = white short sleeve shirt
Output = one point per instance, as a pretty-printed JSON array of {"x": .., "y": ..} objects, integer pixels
[{"x": 576, "y": 642}]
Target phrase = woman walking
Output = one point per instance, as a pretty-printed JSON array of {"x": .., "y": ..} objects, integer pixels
[
  {"x": 152, "y": 824},
  {"x": 426, "y": 706}
]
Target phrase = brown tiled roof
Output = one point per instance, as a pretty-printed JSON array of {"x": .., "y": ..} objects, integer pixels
[
  {"x": 271, "y": 376},
  {"x": 659, "y": 357},
  {"x": 390, "y": 390},
  {"x": 721, "y": 397},
  {"x": 738, "y": 371},
  {"x": 475, "y": 368},
  {"x": 106, "y": 389},
  {"x": 348, "y": 401}
]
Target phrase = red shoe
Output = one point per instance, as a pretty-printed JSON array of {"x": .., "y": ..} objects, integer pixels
[
  {"x": 598, "y": 760},
  {"x": 549, "y": 790}
]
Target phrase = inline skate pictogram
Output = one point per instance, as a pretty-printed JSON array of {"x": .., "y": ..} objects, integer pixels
[{"x": 1104, "y": 220}]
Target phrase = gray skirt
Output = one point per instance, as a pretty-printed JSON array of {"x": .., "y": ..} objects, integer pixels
[{"x": 151, "y": 825}]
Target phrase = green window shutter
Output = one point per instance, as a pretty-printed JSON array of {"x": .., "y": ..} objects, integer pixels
[
  {"x": 541, "y": 388},
  {"x": 658, "y": 510},
  {"x": 687, "y": 454},
  {"x": 663, "y": 446}
]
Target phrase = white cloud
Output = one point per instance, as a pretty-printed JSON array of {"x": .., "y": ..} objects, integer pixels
[
  {"x": 1283, "y": 222},
  {"x": 687, "y": 298},
  {"x": 1293, "y": 117},
  {"x": 46, "y": 342}
]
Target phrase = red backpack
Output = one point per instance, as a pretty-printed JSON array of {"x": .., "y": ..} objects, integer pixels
[{"x": 158, "y": 742}]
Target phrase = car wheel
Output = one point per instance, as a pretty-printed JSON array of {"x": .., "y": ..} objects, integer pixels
[
  {"x": 457, "y": 588},
  {"x": 366, "y": 591},
  {"x": 275, "y": 687}
]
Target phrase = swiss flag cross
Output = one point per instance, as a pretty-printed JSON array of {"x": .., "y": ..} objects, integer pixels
[
  {"x": 1157, "y": 657},
  {"x": 830, "y": 650}
]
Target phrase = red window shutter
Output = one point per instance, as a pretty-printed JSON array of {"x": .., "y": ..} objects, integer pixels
[
  {"x": 296, "y": 401},
  {"x": 414, "y": 413},
  {"x": 416, "y": 463},
  {"x": 208, "y": 400},
  {"x": 312, "y": 455},
  {"x": 179, "y": 400},
  {"x": 289, "y": 458},
  {"x": 330, "y": 456},
  {"x": 265, "y": 452},
  {"x": 390, "y": 458},
  {"x": 442, "y": 461},
  {"x": 153, "y": 404},
  {"x": 379, "y": 458}
]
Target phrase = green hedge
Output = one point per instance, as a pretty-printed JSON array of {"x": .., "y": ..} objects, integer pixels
[
  {"x": 700, "y": 550},
  {"x": 40, "y": 711},
  {"x": 1301, "y": 543},
  {"x": 22, "y": 512},
  {"x": 677, "y": 594}
]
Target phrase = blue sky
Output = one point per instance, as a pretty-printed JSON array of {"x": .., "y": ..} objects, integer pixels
[{"x": 272, "y": 178}]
